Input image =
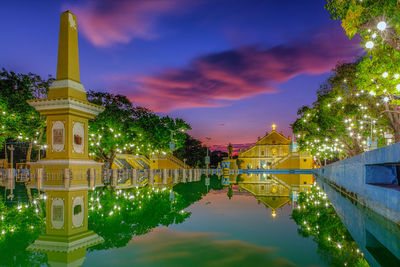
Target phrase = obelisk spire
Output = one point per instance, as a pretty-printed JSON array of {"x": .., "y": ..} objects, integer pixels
[
  {"x": 67, "y": 83},
  {"x": 68, "y": 56}
]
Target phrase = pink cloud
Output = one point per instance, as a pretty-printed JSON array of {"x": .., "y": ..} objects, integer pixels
[
  {"x": 216, "y": 79},
  {"x": 108, "y": 22}
]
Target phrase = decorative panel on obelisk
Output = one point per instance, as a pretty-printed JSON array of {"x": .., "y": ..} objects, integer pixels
[{"x": 67, "y": 111}]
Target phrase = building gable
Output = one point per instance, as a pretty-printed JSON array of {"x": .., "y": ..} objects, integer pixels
[{"x": 274, "y": 138}]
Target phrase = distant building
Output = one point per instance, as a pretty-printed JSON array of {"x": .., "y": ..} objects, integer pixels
[
  {"x": 268, "y": 150},
  {"x": 275, "y": 190}
]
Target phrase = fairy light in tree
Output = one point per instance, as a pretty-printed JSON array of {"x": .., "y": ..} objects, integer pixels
[
  {"x": 381, "y": 25},
  {"x": 369, "y": 44}
]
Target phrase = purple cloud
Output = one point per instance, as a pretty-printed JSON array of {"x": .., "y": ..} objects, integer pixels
[
  {"x": 108, "y": 22},
  {"x": 215, "y": 79}
]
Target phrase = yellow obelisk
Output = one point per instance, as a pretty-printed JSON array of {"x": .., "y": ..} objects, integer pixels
[
  {"x": 66, "y": 109},
  {"x": 64, "y": 173}
]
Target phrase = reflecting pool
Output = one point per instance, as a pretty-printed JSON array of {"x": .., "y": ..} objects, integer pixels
[{"x": 240, "y": 220}]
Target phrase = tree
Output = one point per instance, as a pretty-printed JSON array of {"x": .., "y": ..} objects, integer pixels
[
  {"x": 217, "y": 156},
  {"x": 379, "y": 75},
  {"x": 112, "y": 131},
  {"x": 159, "y": 132},
  {"x": 19, "y": 120},
  {"x": 193, "y": 151},
  {"x": 362, "y": 17},
  {"x": 340, "y": 121},
  {"x": 123, "y": 128},
  {"x": 378, "y": 24}
]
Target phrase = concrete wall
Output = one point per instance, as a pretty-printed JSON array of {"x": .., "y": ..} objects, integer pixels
[{"x": 352, "y": 176}]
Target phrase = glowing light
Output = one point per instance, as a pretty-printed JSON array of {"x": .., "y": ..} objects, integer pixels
[
  {"x": 381, "y": 26},
  {"x": 385, "y": 74},
  {"x": 369, "y": 44}
]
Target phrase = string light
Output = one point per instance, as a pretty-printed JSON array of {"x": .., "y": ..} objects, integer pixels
[
  {"x": 381, "y": 26},
  {"x": 369, "y": 44}
]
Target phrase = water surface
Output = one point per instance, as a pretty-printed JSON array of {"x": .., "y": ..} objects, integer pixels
[{"x": 242, "y": 220}]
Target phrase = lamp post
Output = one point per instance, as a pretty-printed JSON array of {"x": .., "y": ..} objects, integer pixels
[
  {"x": 11, "y": 148},
  {"x": 207, "y": 159},
  {"x": 371, "y": 141}
]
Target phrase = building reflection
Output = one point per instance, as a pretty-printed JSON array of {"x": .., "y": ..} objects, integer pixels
[
  {"x": 273, "y": 190},
  {"x": 67, "y": 236}
]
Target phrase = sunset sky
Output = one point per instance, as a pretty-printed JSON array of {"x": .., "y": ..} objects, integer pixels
[{"x": 230, "y": 68}]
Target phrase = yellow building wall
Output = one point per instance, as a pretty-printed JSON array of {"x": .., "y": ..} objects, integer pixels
[
  {"x": 155, "y": 162},
  {"x": 298, "y": 160},
  {"x": 271, "y": 148}
]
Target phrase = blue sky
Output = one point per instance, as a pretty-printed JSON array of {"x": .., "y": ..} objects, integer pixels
[{"x": 230, "y": 68}]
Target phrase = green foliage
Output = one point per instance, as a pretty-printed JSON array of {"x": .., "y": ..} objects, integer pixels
[
  {"x": 216, "y": 157},
  {"x": 362, "y": 12},
  {"x": 123, "y": 128},
  {"x": 339, "y": 122},
  {"x": 379, "y": 70},
  {"x": 18, "y": 120},
  {"x": 19, "y": 227},
  {"x": 193, "y": 151},
  {"x": 194, "y": 191},
  {"x": 318, "y": 219},
  {"x": 117, "y": 216}
]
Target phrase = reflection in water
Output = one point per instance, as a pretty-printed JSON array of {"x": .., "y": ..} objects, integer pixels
[
  {"x": 165, "y": 247},
  {"x": 20, "y": 225},
  {"x": 273, "y": 190},
  {"x": 76, "y": 220},
  {"x": 81, "y": 220},
  {"x": 317, "y": 218},
  {"x": 67, "y": 236},
  {"x": 118, "y": 215},
  {"x": 377, "y": 237}
]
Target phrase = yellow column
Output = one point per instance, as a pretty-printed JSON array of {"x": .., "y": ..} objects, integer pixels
[
  {"x": 68, "y": 55},
  {"x": 67, "y": 83}
]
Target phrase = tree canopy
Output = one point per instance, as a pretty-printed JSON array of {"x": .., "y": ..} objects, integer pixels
[
  {"x": 342, "y": 119},
  {"x": 377, "y": 22},
  {"x": 19, "y": 121},
  {"x": 124, "y": 128},
  {"x": 193, "y": 151}
]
